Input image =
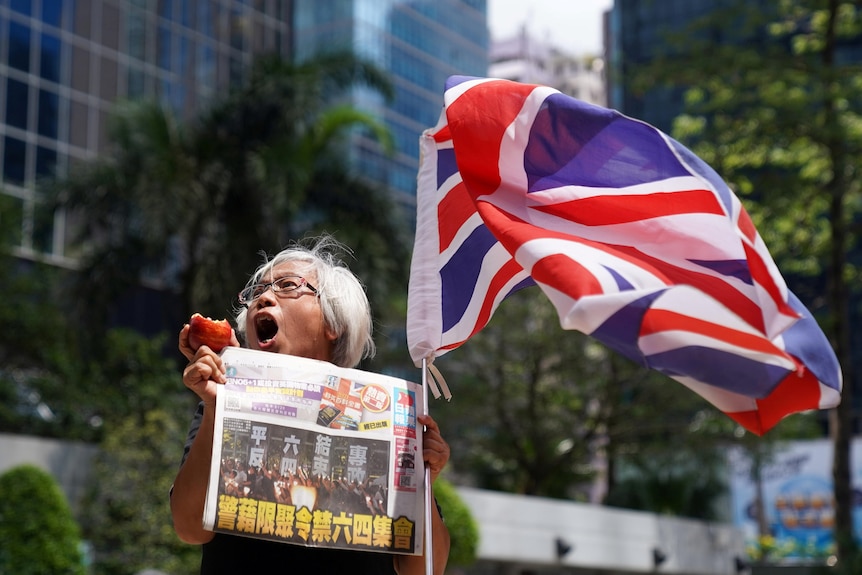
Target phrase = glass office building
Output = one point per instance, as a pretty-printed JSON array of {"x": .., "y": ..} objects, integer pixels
[
  {"x": 419, "y": 43},
  {"x": 64, "y": 63}
]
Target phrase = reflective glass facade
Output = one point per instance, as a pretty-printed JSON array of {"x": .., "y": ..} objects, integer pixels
[
  {"x": 420, "y": 43},
  {"x": 63, "y": 63},
  {"x": 638, "y": 30}
]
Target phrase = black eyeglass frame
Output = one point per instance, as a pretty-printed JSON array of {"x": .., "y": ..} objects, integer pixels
[{"x": 257, "y": 290}]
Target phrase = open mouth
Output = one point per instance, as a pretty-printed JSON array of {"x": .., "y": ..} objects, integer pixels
[{"x": 265, "y": 328}]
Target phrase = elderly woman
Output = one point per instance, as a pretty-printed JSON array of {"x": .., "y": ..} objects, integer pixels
[{"x": 302, "y": 302}]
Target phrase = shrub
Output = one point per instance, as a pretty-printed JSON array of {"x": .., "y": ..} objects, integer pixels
[
  {"x": 38, "y": 532},
  {"x": 463, "y": 531}
]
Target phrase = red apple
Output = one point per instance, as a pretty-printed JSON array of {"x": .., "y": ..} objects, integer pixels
[{"x": 210, "y": 332}]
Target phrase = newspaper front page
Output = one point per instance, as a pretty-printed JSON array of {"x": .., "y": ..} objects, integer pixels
[{"x": 309, "y": 453}]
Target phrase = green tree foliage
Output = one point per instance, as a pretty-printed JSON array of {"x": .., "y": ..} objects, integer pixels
[
  {"x": 146, "y": 412},
  {"x": 521, "y": 419},
  {"x": 463, "y": 531},
  {"x": 132, "y": 402},
  {"x": 134, "y": 377},
  {"x": 34, "y": 340},
  {"x": 127, "y": 517},
  {"x": 775, "y": 108},
  {"x": 52, "y": 385},
  {"x": 38, "y": 532},
  {"x": 49, "y": 384},
  {"x": 35, "y": 344},
  {"x": 126, "y": 393},
  {"x": 673, "y": 483},
  {"x": 540, "y": 410}
]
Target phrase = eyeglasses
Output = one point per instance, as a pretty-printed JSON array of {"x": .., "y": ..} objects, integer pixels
[{"x": 281, "y": 286}]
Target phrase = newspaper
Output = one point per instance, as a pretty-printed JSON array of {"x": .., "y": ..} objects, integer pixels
[{"x": 309, "y": 453}]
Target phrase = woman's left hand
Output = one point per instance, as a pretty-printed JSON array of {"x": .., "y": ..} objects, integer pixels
[{"x": 435, "y": 449}]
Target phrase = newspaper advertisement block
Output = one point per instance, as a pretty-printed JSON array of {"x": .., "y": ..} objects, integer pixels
[{"x": 309, "y": 453}]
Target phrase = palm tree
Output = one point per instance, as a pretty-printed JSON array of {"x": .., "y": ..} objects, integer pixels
[{"x": 193, "y": 205}]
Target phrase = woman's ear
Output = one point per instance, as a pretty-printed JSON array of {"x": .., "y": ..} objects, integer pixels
[{"x": 330, "y": 334}]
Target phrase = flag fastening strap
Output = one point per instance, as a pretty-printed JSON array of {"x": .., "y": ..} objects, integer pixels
[{"x": 436, "y": 382}]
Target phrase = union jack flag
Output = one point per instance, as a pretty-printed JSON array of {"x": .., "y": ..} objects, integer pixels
[{"x": 634, "y": 239}]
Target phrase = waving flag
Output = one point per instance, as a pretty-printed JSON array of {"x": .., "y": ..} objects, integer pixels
[{"x": 635, "y": 240}]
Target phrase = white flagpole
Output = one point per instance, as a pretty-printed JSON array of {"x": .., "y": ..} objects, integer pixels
[{"x": 429, "y": 546}]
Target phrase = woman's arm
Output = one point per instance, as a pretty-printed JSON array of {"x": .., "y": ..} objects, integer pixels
[
  {"x": 203, "y": 373},
  {"x": 189, "y": 490}
]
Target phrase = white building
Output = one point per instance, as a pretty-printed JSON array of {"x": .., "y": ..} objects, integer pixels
[
  {"x": 532, "y": 61},
  {"x": 535, "y": 535}
]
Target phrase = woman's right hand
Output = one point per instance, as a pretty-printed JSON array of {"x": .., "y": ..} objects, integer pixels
[{"x": 205, "y": 369}]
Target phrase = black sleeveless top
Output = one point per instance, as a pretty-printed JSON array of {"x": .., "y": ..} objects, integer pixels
[{"x": 232, "y": 554}]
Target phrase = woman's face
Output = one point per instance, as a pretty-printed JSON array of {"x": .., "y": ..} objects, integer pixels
[{"x": 289, "y": 322}]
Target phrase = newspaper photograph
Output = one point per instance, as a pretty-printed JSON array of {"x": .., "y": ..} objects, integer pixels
[{"x": 309, "y": 453}]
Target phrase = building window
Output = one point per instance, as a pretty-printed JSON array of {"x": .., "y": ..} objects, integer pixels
[
  {"x": 108, "y": 79},
  {"x": 136, "y": 83},
  {"x": 164, "y": 48},
  {"x": 166, "y": 9},
  {"x": 205, "y": 70},
  {"x": 110, "y": 26},
  {"x": 19, "y": 47},
  {"x": 17, "y": 101},
  {"x": 49, "y": 58},
  {"x": 183, "y": 60},
  {"x": 46, "y": 161},
  {"x": 22, "y": 6},
  {"x": 187, "y": 14},
  {"x": 137, "y": 35},
  {"x": 49, "y": 104},
  {"x": 52, "y": 12},
  {"x": 14, "y": 161},
  {"x": 78, "y": 124}
]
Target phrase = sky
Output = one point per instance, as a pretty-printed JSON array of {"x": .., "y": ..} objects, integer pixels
[{"x": 574, "y": 26}]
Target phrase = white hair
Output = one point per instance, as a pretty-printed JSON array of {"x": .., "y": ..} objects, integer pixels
[{"x": 343, "y": 301}]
